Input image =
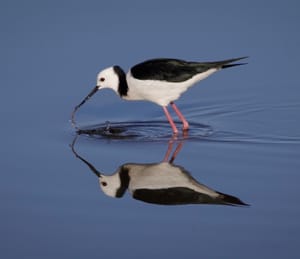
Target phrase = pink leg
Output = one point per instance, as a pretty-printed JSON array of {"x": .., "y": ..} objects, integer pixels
[
  {"x": 175, "y": 130},
  {"x": 181, "y": 117}
]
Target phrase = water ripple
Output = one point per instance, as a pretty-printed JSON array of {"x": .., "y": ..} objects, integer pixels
[
  {"x": 144, "y": 131},
  {"x": 161, "y": 131},
  {"x": 245, "y": 138}
]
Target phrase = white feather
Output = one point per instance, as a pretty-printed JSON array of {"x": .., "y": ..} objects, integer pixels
[{"x": 160, "y": 92}]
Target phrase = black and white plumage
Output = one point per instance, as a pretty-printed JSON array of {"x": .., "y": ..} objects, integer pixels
[
  {"x": 161, "y": 81},
  {"x": 162, "y": 183},
  {"x": 159, "y": 183}
]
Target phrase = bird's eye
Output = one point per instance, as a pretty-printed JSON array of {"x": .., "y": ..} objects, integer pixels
[
  {"x": 104, "y": 183},
  {"x": 102, "y": 79}
]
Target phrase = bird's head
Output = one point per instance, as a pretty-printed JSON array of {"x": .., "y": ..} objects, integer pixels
[
  {"x": 112, "y": 78},
  {"x": 111, "y": 185},
  {"x": 115, "y": 185},
  {"x": 108, "y": 78}
]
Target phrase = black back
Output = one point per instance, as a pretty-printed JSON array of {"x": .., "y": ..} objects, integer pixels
[
  {"x": 171, "y": 70},
  {"x": 175, "y": 70}
]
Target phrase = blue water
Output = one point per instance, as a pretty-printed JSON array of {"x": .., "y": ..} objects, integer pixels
[{"x": 244, "y": 139}]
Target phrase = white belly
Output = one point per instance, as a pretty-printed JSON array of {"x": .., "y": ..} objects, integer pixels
[{"x": 161, "y": 93}]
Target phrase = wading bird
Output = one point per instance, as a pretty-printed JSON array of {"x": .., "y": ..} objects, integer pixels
[{"x": 161, "y": 81}]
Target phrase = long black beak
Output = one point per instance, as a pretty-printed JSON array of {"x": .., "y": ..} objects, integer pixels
[{"x": 95, "y": 89}]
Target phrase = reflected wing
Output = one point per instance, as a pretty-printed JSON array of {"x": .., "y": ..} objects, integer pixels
[{"x": 182, "y": 195}]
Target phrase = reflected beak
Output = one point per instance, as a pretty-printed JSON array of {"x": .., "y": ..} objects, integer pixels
[
  {"x": 94, "y": 170},
  {"x": 95, "y": 89}
]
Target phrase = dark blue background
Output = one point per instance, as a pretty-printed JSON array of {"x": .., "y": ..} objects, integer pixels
[{"x": 51, "y": 205}]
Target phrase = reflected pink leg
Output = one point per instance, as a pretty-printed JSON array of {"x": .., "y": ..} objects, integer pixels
[
  {"x": 181, "y": 117},
  {"x": 178, "y": 148},
  {"x": 175, "y": 130},
  {"x": 170, "y": 147}
]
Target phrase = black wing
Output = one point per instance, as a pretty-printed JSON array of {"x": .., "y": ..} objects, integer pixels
[
  {"x": 169, "y": 196},
  {"x": 182, "y": 195},
  {"x": 175, "y": 70}
]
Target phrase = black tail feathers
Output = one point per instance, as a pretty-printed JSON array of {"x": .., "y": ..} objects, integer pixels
[
  {"x": 231, "y": 200},
  {"x": 227, "y": 63}
]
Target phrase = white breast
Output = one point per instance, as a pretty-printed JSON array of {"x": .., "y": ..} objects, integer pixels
[{"x": 160, "y": 92}]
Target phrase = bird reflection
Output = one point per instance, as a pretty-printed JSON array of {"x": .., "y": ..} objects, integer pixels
[{"x": 158, "y": 183}]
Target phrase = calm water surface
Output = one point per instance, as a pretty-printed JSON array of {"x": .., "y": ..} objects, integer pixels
[{"x": 244, "y": 139}]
